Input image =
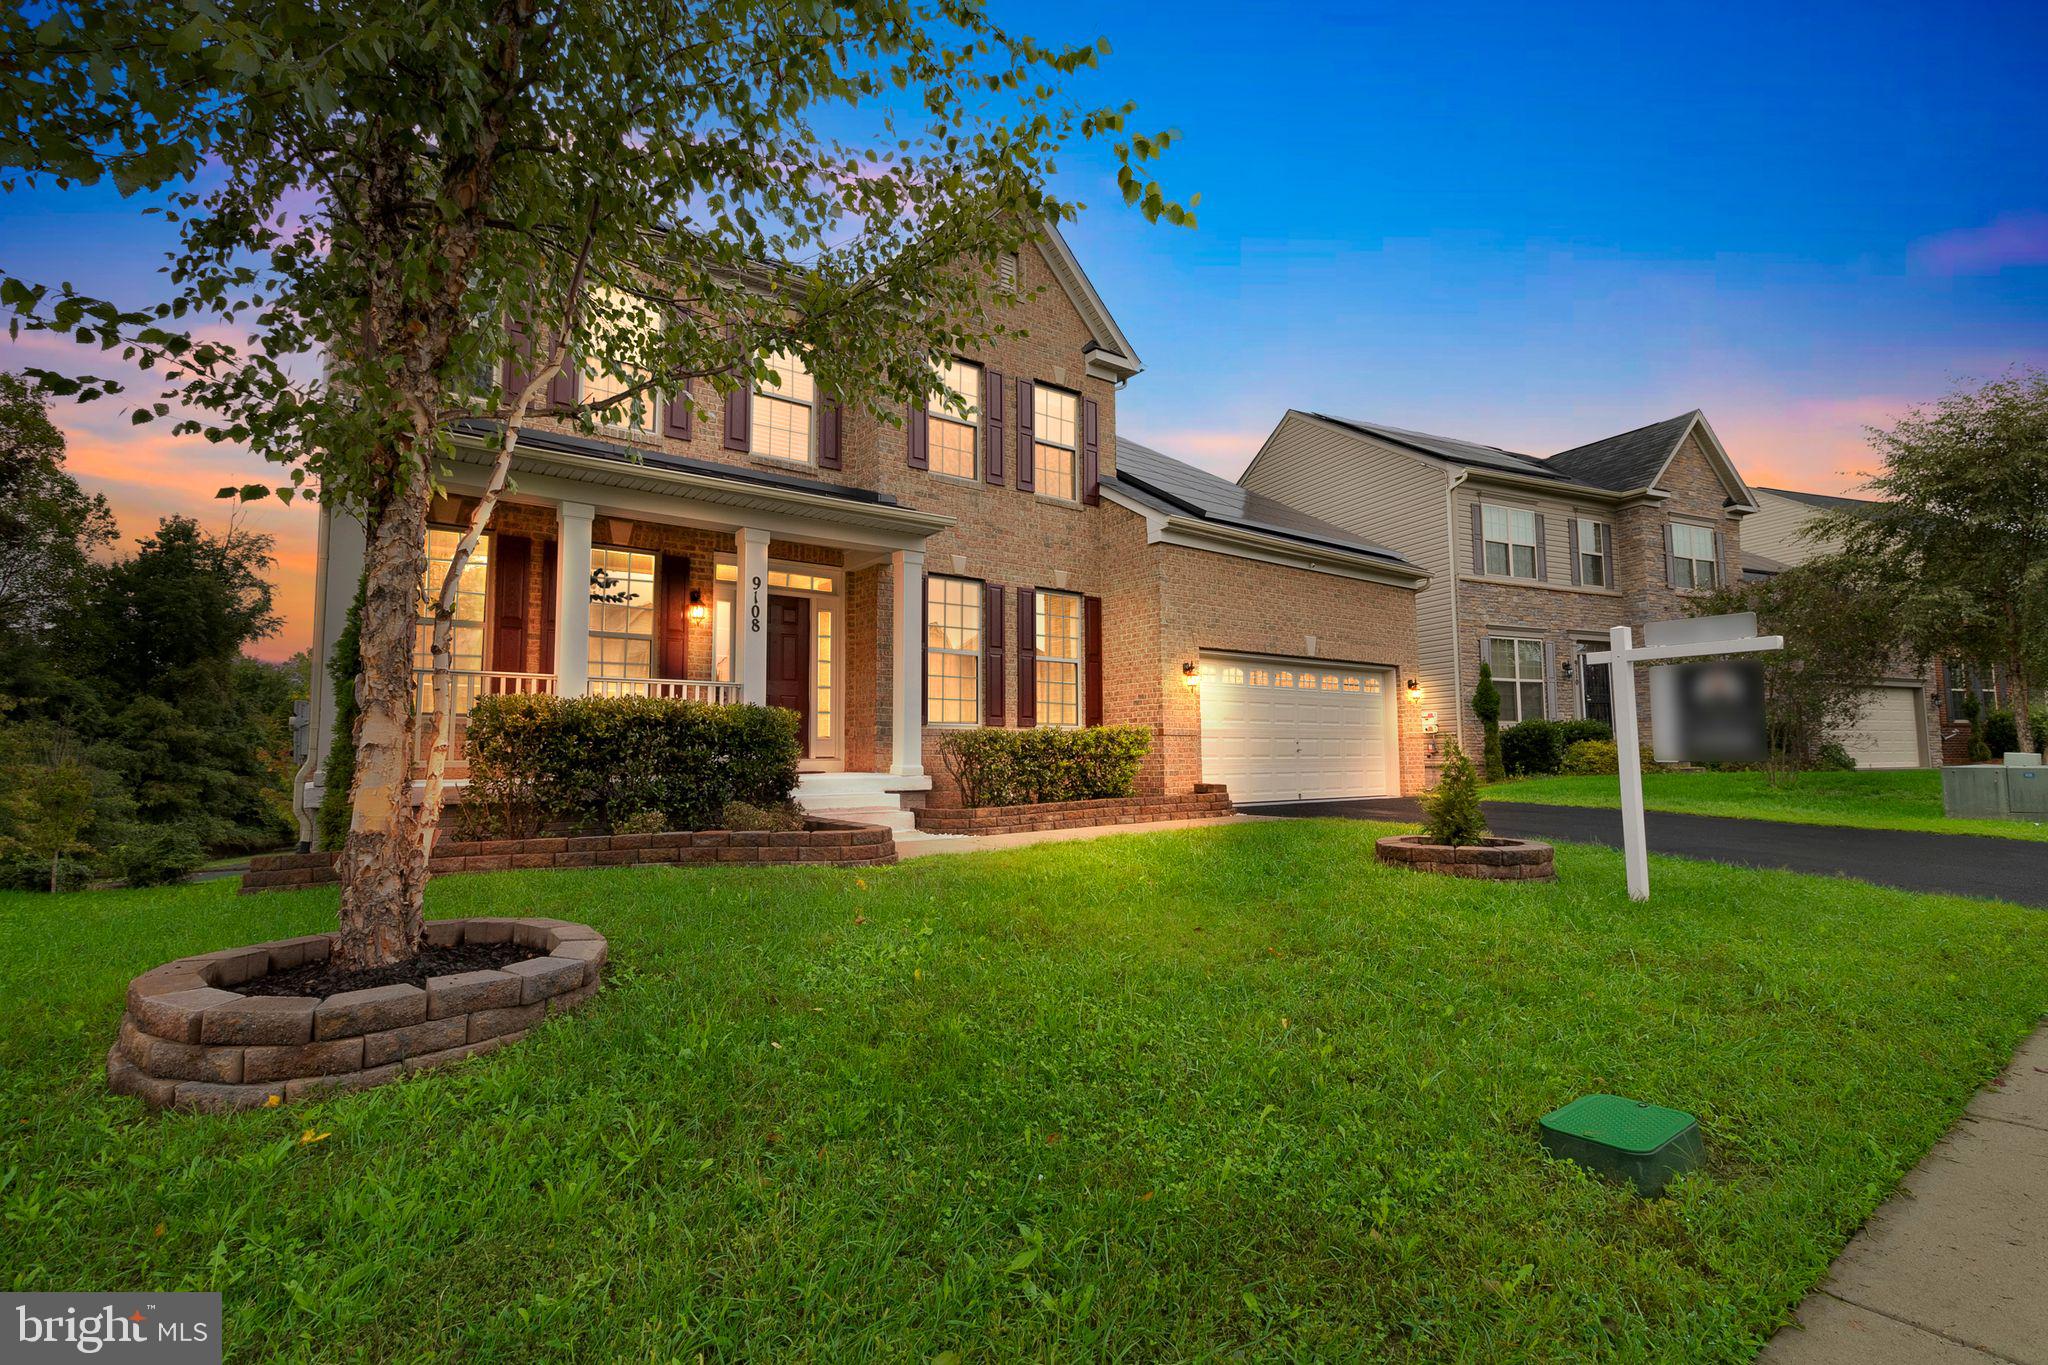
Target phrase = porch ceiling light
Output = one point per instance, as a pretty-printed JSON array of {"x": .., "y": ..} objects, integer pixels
[
  {"x": 699, "y": 613},
  {"x": 1190, "y": 676}
]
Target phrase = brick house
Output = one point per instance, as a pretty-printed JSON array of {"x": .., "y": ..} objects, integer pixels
[
  {"x": 1531, "y": 559},
  {"x": 889, "y": 581}
]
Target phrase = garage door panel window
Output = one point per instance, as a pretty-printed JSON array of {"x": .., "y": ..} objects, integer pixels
[
  {"x": 1518, "y": 675},
  {"x": 1058, "y": 670},
  {"x": 953, "y": 650}
]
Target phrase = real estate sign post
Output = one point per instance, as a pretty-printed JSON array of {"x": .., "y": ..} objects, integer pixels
[{"x": 1663, "y": 642}]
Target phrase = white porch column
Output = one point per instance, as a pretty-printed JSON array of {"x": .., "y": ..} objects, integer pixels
[
  {"x": 572, "y": 600},
  {"x": 907, "y": 759},
  {"x": 753, "y": 611}
]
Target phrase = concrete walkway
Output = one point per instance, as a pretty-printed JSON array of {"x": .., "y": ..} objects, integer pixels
[
  {"x": 922, "y": 845},
  {"x": 1953, "y": 1269}
]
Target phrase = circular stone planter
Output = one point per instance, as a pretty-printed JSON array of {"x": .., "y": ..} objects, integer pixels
[
  {"x": 191, "y": 1040},
  {"x": 1499, "y": 860}
]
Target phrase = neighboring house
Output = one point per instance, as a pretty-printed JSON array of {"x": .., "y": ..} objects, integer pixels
[
  {"x": 1901, "y": 725},
  {"x": 1531, "y": 559},
  {"x": 891, "y": 581}
]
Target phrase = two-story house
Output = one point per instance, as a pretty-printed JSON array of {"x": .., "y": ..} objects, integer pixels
[
  {"x": 890, "y": 581},
  {"x": 1531, "y": 559}
]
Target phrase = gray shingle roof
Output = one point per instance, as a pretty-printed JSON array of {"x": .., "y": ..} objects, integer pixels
[
  {"x": 1631, "y": 460},
  {"x": 1167, "y": 485},
  {"x": 1826, "y": 502},
  {"x": 1448, "y": 447}
]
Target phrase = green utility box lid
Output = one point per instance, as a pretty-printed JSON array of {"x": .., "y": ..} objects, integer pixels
[{"x": 1623, "y": 1139}]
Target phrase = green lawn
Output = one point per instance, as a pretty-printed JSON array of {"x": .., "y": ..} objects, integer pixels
[
  {"x": 1906, "y": 799},
  {"x": 1224, "y": 1093}
]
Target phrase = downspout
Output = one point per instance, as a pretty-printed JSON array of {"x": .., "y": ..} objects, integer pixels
[
  {"x": 314, "y": 686},
  {"x": 1457, "y": 648}
]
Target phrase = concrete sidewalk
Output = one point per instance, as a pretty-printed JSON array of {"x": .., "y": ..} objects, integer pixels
[
  {"x": 1953, "y": 1269},
  {"x": 921, "y": 845}
]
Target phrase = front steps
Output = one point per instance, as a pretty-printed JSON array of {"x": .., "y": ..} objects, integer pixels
[{"x": 865, "y": 798}]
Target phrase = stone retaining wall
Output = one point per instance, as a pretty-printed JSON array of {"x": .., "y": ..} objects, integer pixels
[
  {"x": 1499, "y": 860},
  {"x": 189, "y": 1039},
  {"x": 1207, "y": 801},
  {"x": 839, "y": 843}
]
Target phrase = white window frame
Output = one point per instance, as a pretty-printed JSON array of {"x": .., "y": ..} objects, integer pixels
[
  {"x": 971, "y": 602},
  {"x": 1052, "y": 670},
  {"x": 640, "y": 415},
  {"x": 602, "y": 681},
  {"x": 1039, "y": 393},
  {"x": 1685, "y": 567},
  {"x": 1508, "y": 520},
  {"x": 938, "y": 411},
  {"x": 1595, "y": 533},
  {"x": 1510, "y": 687},
  {"x": 773, "y": 393}
]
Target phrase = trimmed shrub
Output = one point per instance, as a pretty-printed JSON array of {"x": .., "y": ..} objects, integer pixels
[
  {"x": 597, "y": 763},
  {"x": 2001, "y": 734},
  {"x": 1572, "y": 732},
  {"x": 1452, "y": 806},
  {"x": 1001, "y": 767},
  {"x": 1591, "y": 758},
  {"x": 157, "y": 856},
  {"x": 743, "y": 815},
  {"x": 1533, "y": 748},
  {"x": 1486, "y": 706},
  {"x": 1832, "y": 757}
]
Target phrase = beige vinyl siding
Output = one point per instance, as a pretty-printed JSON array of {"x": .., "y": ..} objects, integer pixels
[
  {"x": 1389, "y": 496},
  {"x": 1557, "y": 534},
  {"x": 1777, "y": 529}
]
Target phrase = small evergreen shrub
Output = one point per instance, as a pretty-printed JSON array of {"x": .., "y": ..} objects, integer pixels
[
  {"x": 1534, "y": 748},
  {"x": 1003, "y": 767},
  {"x": 1452, "y": 807},
  {"x": 645, "y": 822},
  {"x": 1591, "y": 758},
  {"x": 1486, "y": 706},
  {"x": 157, "y": 856},
  {"x": 1571, "y": 732},
  {"x": 1832, "y": 757},
  {"x": 24, "y": 871},
  {"x": 595, "y": 763}
]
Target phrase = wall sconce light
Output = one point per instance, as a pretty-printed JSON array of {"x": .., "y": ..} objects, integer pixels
[
  {"x": 1414, "y": 689},
  {"x": 699, "y": 613},
  {"x": 1564, "y": 670},
  {"x": 1189, "y": 676}
]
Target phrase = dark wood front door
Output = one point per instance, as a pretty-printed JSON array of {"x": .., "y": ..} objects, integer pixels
[
  {"x": 511, "y": 558},
  {"x": 789, "y": 659}
]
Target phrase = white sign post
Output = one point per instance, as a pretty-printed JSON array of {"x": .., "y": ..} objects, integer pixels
[{"x": 1663, "y": 642}]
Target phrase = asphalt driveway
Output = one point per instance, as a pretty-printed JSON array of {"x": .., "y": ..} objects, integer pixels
[{"x": 1961, "y": 864}]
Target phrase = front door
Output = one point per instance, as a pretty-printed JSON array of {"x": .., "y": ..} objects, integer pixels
[
  {"x": 789, "y": 659},
  {"x": 1599, "y": 700}
]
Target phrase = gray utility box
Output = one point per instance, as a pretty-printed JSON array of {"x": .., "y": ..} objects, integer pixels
[{"x": 2015, "y": 790}]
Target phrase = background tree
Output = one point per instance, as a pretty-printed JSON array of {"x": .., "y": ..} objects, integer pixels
[
  {"x": 434, "y": 195},
  {"x": 50, "y": 529},
  {"x": 1841, "y": 629},
  {"x": 1486, "y": 706},
  {"x": 1960, "y": 528}
]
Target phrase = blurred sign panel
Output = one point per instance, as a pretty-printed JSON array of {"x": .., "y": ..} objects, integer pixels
[
  {"x": 1708, "y": 712},
  {"x": 1698, "y": 630}
]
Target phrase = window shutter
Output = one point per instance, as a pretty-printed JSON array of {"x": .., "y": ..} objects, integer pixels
[
  {"x": 564, "y": 388},
  {"x": 1606, "y": 534},
  {"x": 1717, "y": 556},
  {"x": 1549, "y": 672},
  {"x": 739, "y": 404},
  {"x": 1027, "y": 656},
  {"x": 1485, "y": 654},
  {"x": 674, "y": 616},
  {"x": 1478, "y": 541},
  {"x": 831, "y": 431},
  {"x": 675, "y": 413},
  {"x": 993, "y": 650},
  {"x": 550, "y": 550},
  {"x": 1025, "y": 418},
  {"x": 1571, "y": 536},
  {"x": 916, "y": 437},
  {"x": 1091, "y": 645},
  {"x": 1670, "y": 559},
  {"x": 519, "y": 369},
  {"x": 1091, "y": 454},
  {"x": 1542, "y": 551},
  {"x": 992, "y": 430}
]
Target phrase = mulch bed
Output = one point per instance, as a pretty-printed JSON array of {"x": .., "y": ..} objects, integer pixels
[{"x": 322, "y": 978}]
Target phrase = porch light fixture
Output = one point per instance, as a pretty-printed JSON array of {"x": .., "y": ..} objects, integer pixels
[
  {"x": 1564, "y": 670},
  {"x": 1414, "y": 689},
  {"x": 1189, "y": 677},
  {"x": 699, "y": 613}
]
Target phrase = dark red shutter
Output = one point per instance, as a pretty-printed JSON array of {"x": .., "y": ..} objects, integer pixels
[
  {"x": 1025, "y": 472},
  {"x": 563, "y": 389},
  {"x": 994, "y": 653},
  {"x": 739, "y": 404},
  {"x": 1027, "y": 656},
  {"x": 993, "y": 430},
  {"x": 1091, "y": 646},
  {"x": 831, "y": 429},
  {"x": 1091, "y": 455},
  {"x": 511, "y": 556},
  {"x": 674, "y": 616},
  {"x": 519, "y": 369},
  {"x": 916, "y": 436},
  {"x": 549, "y": 559},
  {"x": 676, "y": 413}
]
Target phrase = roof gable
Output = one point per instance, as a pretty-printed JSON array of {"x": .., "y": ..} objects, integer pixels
[
  {"x": 1627, "y": 461},
  {"x": 1110, "y": 353}
]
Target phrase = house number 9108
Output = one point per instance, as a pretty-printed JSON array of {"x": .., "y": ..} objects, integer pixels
[{"x": 754, "y": 609}]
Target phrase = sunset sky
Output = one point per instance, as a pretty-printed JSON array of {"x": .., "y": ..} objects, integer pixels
[{"x": 1487, "y": 221}]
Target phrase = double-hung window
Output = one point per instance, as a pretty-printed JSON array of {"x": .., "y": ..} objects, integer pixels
[
  {"x": 1510, "y": 540},
  {"x": 1055, "y": 441},
  {"x": 623, "y": 329},
  {"x": 1693, "y": 561},
  {"x": 1518, "y": 676},
  {"x": 1593, "y": 566},
  {"x": 954, "y": 436},
  {"x": 952, "y": 650},
  {"x": 785, "y": 419},
  {"x": 466, "y": 640},
  {"x": 621, "y": 617},
  {"x": 1058, "y": 676}
]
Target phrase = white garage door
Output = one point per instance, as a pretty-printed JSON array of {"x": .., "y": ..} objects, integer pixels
[
  {"x": 1888, "y": 735},
  {"x": 1280, "y": 730}
]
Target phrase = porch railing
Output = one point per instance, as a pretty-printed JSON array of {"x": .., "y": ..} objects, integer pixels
[
  {"x": 681, "y": 689},
  {"x": 464, "y": 687}
]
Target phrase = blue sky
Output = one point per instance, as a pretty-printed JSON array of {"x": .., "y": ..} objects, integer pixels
[{"x": 1528, "y": 225}]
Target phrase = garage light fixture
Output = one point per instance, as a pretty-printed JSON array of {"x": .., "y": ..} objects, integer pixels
[
  {"x": 1189, "y": 676},
  {"x": 1414, "y": 689},
  {"x": 699, "y": 613}
]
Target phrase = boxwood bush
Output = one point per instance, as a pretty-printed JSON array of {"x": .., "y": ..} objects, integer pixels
[
  {"x": 1532, "y": 748},
  {"x": 596, "y": 763},
  {"x": 1000, "y": 767}
]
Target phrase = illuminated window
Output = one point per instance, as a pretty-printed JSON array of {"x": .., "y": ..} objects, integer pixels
[
  {"x": 1059, "y": 658},
  {"x": 1510, "y": 541},
  {"x": 785, "y": 411},
  {"x": 1308, "y": 680},
  {"x": 952, "y": 437},
  {"x": 781, "y": 578},
  {"x": 1518, "y": 674},
  {"x": 1371, "y": 684},
  {"x": 1260, "y": 678},
  {"x": 467, "y": 642},
  {"x": 822, "y": 711},
  {"x": 1283, "y": 678},
  {"x": 622, "y": 329},
  {"x": 1694, "y": 561},
  {"x": 1330, "y": 682},
  {"x": 1055, "y": 436},
  {"x": 952, "y": 650},
  {"x": 621, "y": 616},
  {"x": 1350, "y": 683}
]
